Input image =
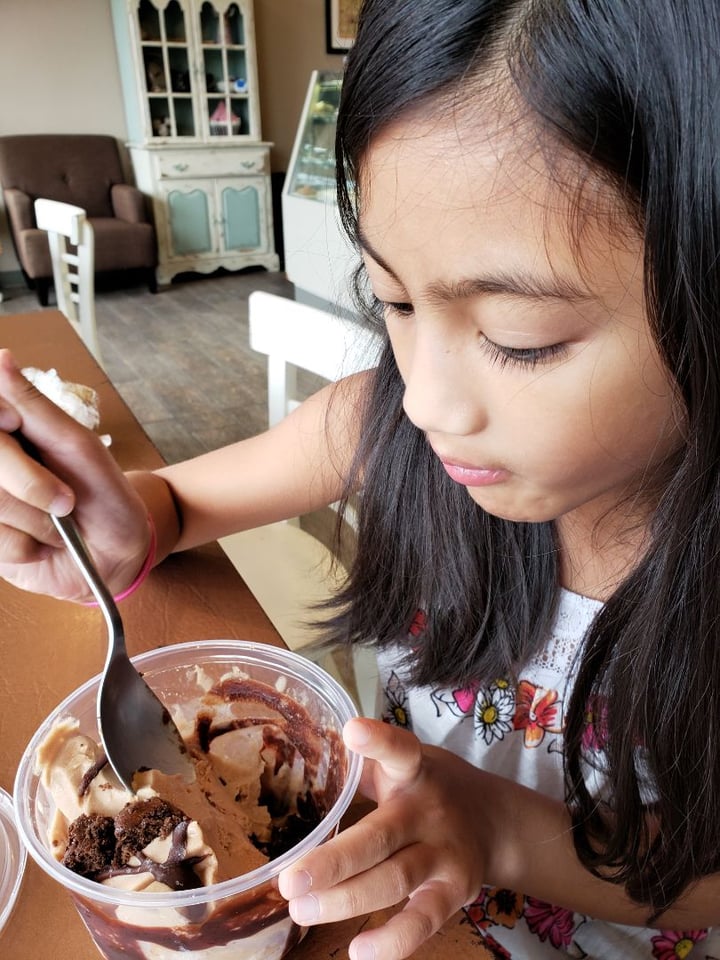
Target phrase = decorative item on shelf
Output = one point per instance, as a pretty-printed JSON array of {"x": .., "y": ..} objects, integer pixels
[
  {"x": 155, "y": 75},
  {"x": 221, "y": 119},
  {"x": 180, "y": 81},
  {"x": 161, "y": 127},
  {"x": 232, "y": 85},
  {"x": 225, "y": 27}
]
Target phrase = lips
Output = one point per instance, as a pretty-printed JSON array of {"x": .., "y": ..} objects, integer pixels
[
  {"x": 474, "y": 476},
  {"x": 469, "y": 474}
]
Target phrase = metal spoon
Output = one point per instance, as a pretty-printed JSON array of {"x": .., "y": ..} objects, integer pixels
[{"x": 136, "y": 729}]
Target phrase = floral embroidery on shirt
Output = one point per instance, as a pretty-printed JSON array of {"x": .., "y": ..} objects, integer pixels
[
  {"x": 537, "y": 712},
  {"x": 507, "y": 904},
  {"x": 494, "y": 711},
  {"x": 676, "y": 944},
  {"x": 460, "y": 703},
  {"x": 418, "y": 625},
  {"x": 548, "y": 922},
  {"x": 594, "y": 735},
  {"x": 497, "y": 907},
  {"x": 503, "y": 907},
  {"x": 396, "y": 702}
]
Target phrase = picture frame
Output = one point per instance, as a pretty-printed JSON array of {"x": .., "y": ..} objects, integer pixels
[{"x": 341, "y": 18}]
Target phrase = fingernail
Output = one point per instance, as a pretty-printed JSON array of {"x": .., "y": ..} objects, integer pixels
[
  {"x": 363, "y": 951},
  {"x": 300, "y": 883},
  {"x": 359, "y": 734},
  {"x": 62, "y": 504},
  {"x": 305, "y": 909},
  {"x": 9, "y": 419}
]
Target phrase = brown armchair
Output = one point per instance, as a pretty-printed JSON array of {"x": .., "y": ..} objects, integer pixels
[{"x": 84, "y": 170}]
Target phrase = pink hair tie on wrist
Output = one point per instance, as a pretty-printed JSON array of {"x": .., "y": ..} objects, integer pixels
[{"x": 144, "y": 570}]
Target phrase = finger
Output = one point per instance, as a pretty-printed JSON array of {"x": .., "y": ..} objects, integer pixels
[
  {"x": 78, "y": 461},
  {"x": 424, "y": 914},
  {"x": 10, "y": 419},
  {"x": 29, "y": 482},
  {"x": 17, "y": 547},
  {"x": 366, "y": 844},
  {"x": 398, "y": 751},
  {"x": 385, "y": 885},
  {"x": 25, "y": 531},
  {"x": 42, "y": 421}
]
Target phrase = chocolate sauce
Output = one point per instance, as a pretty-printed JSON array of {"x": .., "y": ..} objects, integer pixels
[
  {"x": 291, "y": 730},
  {"x": 177, "y": 872},
  {"x": 235, "y": 918},
  {"x": 91, "y": 773}
]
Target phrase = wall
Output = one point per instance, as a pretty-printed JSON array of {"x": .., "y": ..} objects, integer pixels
[
  {"x": 291, "y": 44},
  {"x": 59, "y": 74}
]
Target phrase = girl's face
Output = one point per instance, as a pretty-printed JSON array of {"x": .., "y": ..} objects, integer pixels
[{"x": 531, "y": 370}]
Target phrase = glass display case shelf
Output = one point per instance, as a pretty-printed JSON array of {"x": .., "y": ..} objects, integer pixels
[
  {"x": 312, "y": 168},
  {"x": 319, "y": 259}
]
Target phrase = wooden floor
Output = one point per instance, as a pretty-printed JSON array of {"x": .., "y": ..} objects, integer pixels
[
  {"x": 181, "y": 359},
  {"x": 182, "y": 362}
]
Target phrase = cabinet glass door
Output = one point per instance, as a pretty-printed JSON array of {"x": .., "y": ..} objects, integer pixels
[
  {"x": 189, "y": 216},
  {"x": 224, "y": 54},
  {"x": 166, "y": 64},
  {"x": 241, "y": 216}
]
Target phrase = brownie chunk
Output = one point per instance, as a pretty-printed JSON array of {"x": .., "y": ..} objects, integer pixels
[
  {"x": 91, "y": 844},
  {"x": 140, "y": 822}
]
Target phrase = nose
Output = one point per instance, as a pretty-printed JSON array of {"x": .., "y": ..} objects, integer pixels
[{"x": 442, "y": 392}]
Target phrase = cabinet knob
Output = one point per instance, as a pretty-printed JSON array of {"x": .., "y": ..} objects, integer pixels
[
  {"x": 247, "y": 164},
  {"x": 180, "y": 167}
]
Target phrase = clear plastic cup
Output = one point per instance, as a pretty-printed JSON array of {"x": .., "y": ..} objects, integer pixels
[
  {"x": 240, "y": 918},
  {"x": 12, "y": 859}
]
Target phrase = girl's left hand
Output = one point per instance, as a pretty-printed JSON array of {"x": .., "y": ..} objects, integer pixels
[{"x": 422, "y": 842}]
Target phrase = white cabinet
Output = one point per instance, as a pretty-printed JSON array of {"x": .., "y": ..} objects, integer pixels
[
  {"x": 189, "y": 77},
  {"x": 213, "y": 207},
  {"x": 319, "y": 258}
]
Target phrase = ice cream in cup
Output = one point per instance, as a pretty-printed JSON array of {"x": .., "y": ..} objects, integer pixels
[{"x": 190, "y": 867}]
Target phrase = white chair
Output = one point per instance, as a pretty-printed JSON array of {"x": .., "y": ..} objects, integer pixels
[
  {"x": 287, "y": 565},
  {"x": 72, "y": 251}
]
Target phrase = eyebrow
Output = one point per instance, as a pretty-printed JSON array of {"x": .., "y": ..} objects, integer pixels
[{"x": 514, "y": 283}]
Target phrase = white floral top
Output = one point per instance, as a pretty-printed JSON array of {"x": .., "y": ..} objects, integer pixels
[{"x": 517, "y": 732}]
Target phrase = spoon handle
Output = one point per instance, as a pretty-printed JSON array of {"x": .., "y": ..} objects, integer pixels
[{"x": 67, "y": 528}]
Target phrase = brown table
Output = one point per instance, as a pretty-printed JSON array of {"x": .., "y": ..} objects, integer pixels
[{"x": 47, "y": 648}]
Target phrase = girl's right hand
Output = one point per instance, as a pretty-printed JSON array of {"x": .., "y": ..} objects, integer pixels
[{"x": 78, "y": 474}]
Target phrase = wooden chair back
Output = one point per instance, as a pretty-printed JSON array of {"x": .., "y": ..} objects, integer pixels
[{"x": 72, "y": 250}]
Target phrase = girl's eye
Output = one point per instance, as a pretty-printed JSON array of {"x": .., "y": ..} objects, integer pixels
[
  {"x": 394, "y": 306},
  {"x": 528, "y": 357},
  {"x": 522, "y": 356}
]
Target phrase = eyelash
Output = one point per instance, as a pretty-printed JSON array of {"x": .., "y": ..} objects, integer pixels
[{"x": 528, "y": 357}]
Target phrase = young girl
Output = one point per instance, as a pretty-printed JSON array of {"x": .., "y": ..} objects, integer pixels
[{"x": 534, "y": 188}]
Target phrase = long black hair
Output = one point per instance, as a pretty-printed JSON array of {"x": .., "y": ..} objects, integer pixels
[{"x": 633, "y": 88}]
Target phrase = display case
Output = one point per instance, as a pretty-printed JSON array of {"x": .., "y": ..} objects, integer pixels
[
  {"x": 189, "y": 76},
  {"x": 319, "y": 259}
]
